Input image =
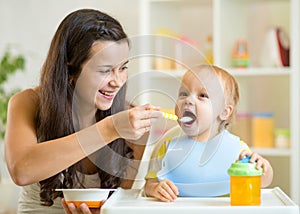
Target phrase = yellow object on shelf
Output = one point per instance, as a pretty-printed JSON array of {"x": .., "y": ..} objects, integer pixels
[
  {"x": 263, "y": 130},
  {"x": 161, "y": 63},
  {"x": 209, "y": 57}
]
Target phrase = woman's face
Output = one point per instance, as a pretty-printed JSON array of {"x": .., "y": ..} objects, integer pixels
[
  {"x": 102, "y": 75},
  {"x": 201, "y": 98}
]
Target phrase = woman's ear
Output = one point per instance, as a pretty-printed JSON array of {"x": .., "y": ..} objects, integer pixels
[{"x": 226, "y": 112}]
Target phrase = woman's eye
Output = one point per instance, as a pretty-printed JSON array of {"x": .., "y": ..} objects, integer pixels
[
  {"x": 124, "y": 68},
  {"x": 104, "y": 71}
]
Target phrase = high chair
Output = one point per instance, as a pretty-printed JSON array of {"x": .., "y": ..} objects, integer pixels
[{"x": 150, "y": 152}]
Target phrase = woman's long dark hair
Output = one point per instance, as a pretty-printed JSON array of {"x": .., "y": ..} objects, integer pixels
[{"x": 69, "y": 49}]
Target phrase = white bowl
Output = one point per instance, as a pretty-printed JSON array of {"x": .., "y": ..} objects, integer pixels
[{"x": 93, "y": 197}]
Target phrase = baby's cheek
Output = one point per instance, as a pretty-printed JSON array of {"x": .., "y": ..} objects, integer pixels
[{"x": 177, "y": 110}]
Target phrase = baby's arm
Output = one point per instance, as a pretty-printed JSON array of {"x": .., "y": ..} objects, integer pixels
[
  {"x": 164, "y": 190},
  {"x": 261, "y": 162}
]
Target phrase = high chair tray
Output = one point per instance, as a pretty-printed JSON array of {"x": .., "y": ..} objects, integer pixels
[{"x": 273, "y": 201}]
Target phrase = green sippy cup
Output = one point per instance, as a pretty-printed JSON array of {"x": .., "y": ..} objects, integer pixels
[{"x": 245, "y": 181}]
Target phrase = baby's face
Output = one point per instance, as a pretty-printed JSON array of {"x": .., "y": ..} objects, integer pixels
[{"x": 200, "y": 97}]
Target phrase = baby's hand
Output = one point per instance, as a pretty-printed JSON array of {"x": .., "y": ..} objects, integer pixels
[
  {"x": 260, "y": 161},
  {"x": 165, "y": 191}
]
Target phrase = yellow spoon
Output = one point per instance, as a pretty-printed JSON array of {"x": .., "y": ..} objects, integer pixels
[{"x": 174, "y": 117}]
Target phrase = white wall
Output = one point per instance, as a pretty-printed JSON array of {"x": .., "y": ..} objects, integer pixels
[{"x": 28, "y": 26}]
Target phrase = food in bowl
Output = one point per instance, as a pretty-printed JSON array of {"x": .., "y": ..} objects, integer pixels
[{"x": 92, "y": 197}]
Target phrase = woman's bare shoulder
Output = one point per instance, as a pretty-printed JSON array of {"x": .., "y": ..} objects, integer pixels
[{"x": 27, "y": 96}]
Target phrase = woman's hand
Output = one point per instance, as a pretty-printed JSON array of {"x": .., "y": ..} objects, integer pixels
[
  {"x": 261, "y": 162},
  {"x": 84, "y": 209},
  {"x": 135, "y": 122}
]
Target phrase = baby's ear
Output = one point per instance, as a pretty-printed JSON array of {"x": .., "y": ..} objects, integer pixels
[{"x": 226, "y": 112}]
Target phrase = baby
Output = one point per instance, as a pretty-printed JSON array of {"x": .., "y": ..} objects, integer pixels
[{"x": 207, "y": 100}]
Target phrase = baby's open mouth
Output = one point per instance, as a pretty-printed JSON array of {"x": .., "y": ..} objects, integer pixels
[{"x": 188, "y": 117}]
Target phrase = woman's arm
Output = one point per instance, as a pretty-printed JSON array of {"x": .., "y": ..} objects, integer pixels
[{"x": 29, "y": 162}]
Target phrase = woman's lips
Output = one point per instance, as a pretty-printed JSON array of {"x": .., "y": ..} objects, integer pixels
[{"x": 107, "y": 95}]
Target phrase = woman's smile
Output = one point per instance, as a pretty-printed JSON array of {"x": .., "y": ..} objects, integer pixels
[{"x": 109, "y": 95}]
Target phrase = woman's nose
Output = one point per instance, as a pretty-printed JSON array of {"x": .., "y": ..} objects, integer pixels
[{"x": 116, "y": 79}]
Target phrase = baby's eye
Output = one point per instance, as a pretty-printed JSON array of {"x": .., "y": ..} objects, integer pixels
[
  {"x": 182, "y": 94},
  {"x": 203, "y": 95}
]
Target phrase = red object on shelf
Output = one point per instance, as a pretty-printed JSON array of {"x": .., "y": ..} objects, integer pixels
[
  {"x": 276, "y": 48},
  {"x": 283, "y": 46}
]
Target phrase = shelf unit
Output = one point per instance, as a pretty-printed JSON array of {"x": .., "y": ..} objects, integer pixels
[{"x": 263, "y": 87}]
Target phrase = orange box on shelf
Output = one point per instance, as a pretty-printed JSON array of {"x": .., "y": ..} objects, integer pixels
[
  {"x": 263, "y": 129},
  {"x": 242, "y": 127}
]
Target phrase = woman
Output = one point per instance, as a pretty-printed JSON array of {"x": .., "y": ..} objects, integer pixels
[{"x": 69, "y": 131}]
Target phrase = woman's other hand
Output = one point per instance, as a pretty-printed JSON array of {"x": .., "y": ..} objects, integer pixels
[{"x": 84, "y": 209}]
